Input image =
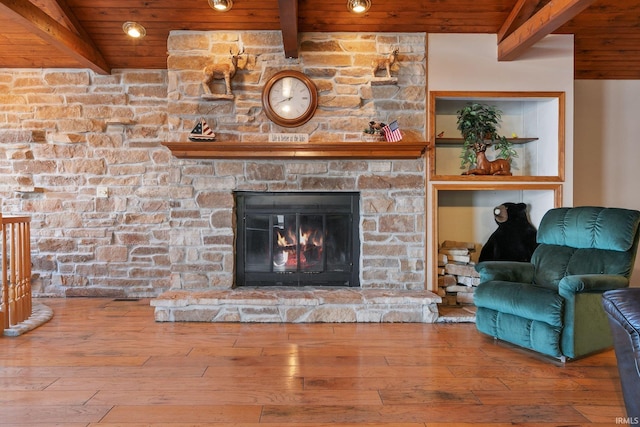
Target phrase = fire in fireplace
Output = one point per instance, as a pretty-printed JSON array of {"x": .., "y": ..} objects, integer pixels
[{"x": 297, "y": 238}]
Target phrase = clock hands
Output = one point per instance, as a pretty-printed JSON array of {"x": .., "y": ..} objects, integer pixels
[{"x": 284, "y": 100}]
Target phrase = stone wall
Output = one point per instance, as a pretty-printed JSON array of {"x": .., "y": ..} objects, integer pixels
[
  {"x": 63, "y": 134},
  {"x": 66, "y": 135}
]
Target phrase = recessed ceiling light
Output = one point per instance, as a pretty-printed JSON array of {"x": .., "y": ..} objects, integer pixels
[
  {"x": 221, "y": 5},
  {"x": 358, "y": 6},
  {"x": 133, "y": 29}
]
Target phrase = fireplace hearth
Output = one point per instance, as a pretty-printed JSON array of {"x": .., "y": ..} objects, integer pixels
[{"x": 297, "y": 238}]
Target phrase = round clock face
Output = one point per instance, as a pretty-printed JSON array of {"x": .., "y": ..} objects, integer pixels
[{"x": 290, "y": 98}]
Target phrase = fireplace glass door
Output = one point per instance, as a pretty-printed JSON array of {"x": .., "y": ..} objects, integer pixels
[{"x": 297, "y": 239}]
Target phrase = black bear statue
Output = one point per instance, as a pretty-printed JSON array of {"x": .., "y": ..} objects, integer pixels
[{"x": 515, "y": 237}]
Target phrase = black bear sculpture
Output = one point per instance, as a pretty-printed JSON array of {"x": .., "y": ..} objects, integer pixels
[{"x": 515, "y": 237}]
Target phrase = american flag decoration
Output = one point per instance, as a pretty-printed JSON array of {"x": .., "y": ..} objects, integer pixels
[
  {"x": 202, "y": 132},
  {"x": 392, "y": 132}
]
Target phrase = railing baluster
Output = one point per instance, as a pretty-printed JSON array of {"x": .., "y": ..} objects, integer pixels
[
  {"x": 4, "y": 307},
  {"x": 15, "y": 295},
  {"x": 13, "y": 261},
  {"x": 26, "y": 266}
]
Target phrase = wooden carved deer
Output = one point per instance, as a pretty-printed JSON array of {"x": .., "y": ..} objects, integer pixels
[
  {"x": 225, "y": 70},
  {"x": 385, "y": 63},
  {"x": 485, "y": 166}
]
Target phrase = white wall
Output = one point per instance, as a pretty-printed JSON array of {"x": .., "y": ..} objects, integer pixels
[{"x": 607, "y": 146}]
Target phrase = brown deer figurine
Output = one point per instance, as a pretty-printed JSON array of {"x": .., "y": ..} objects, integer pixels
[
  {"x": 225, "y": 70},
  {"x": 485, "y": 166},
  {"x": 385, "y": 63}
]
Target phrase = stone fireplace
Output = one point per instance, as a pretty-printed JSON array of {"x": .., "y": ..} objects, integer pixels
[
  {"x": 389, "y": 283},
  {"x": 297, "y": 238},
  {"x": 392, "y": 245}
]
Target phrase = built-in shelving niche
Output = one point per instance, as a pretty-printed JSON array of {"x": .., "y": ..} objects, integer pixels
[
  {"x": 464, "y": 212},
  {"x": 534, "y": 121}
]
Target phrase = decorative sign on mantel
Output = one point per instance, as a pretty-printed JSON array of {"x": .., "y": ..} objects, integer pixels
[{"x": 288, "y": 137}]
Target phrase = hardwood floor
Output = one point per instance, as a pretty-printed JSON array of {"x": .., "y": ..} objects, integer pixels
[{"x": 106, "y": 362}]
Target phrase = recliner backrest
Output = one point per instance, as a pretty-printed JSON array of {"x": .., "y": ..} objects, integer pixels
[{"x": 585, "y": 240}]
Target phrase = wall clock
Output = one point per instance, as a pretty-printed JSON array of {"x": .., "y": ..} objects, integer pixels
[{"x": 290, "y": 98}]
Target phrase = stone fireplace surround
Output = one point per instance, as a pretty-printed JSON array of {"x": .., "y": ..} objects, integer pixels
[
  {"x": 392, "y": 222},
  {"x": 392, "y": 207},
  {"x": 391, "y": 264}
]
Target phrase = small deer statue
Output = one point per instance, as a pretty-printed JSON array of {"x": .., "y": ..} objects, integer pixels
[
  {"x": 225, "y": 70},
  {"x": 385, "y": 63},
  {"x": 485, "y": 166}
]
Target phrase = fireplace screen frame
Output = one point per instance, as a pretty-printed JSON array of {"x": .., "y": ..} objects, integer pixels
[{"x": 269, "y": 205}]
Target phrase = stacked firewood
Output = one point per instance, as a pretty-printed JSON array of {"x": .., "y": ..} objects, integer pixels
[{"x": 457, "y": 276}]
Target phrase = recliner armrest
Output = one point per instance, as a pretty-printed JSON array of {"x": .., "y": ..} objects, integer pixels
[
  {"x": 509, "y": 271},
  {"x": 571, "y": 285}
]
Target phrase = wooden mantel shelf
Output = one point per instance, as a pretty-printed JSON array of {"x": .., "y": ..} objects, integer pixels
[{"x": 307, "y": 150}]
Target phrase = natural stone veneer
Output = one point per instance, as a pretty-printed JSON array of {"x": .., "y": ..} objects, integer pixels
[
  {"x": 297, "y": 305},
  {"x": 167, "y": 223}
]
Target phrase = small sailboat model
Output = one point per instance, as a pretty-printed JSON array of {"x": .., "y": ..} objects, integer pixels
[{"x": 202, "y": 132}]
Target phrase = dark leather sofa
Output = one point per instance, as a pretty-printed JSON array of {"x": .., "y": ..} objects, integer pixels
[{"x": 623, "y": 310}]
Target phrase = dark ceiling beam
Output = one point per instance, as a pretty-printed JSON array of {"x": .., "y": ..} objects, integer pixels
[
  {"x": 548, "y": 19},
  {"x": 289, "y": 26},
  {"x": 522, "y": 11},
  {"x": 38, "y": 22}
]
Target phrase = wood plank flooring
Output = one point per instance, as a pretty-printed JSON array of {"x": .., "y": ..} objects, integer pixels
[{"x": 102, "y": 362}]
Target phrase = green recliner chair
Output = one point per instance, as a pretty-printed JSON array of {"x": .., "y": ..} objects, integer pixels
[{"x": 553, "y": 305}]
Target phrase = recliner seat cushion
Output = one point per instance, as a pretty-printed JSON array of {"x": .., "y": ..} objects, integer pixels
[{"x": 522, "y": 300}]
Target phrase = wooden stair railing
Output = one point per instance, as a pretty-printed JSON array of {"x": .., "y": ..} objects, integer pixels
[{"x": 15, "y": 301}]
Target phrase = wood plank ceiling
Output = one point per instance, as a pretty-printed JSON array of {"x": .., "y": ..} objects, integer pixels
[{"x": 88, "y": 33}]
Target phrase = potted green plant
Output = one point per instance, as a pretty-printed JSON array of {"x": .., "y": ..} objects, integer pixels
[{"x": 479, "y": 125}]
